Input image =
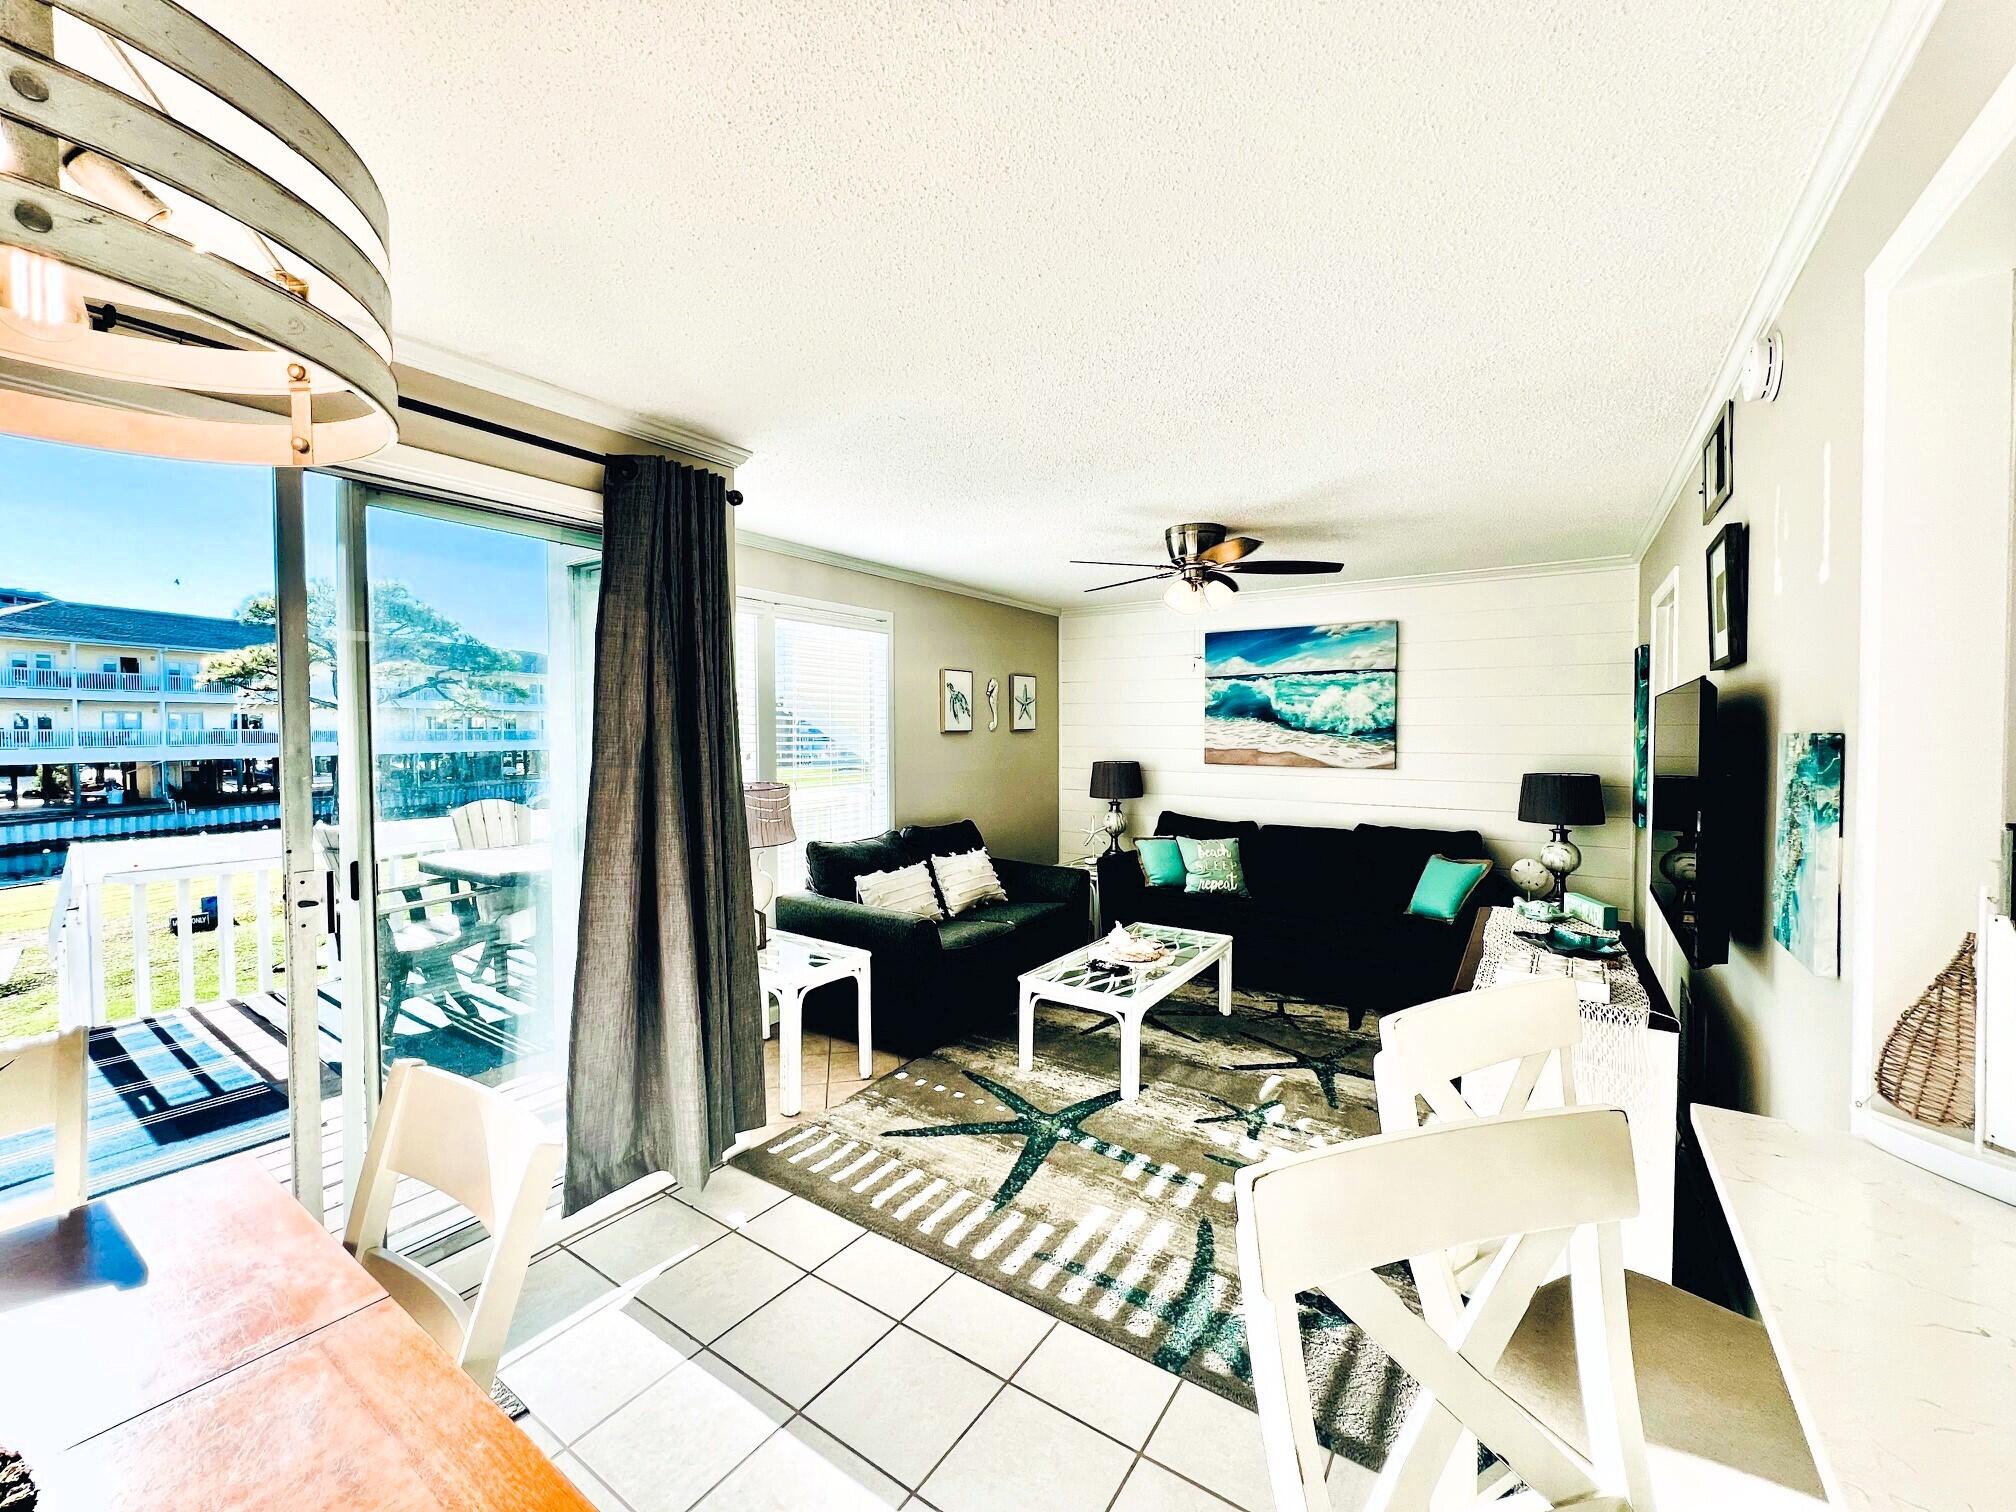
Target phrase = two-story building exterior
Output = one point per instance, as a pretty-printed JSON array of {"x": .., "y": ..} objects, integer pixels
[{"x": 116, "y": 702}]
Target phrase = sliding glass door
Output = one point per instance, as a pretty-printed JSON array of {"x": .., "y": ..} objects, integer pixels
[{"x": 450, "y": 711}]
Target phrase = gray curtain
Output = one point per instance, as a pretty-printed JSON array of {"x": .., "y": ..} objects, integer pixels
[{"x": 667, "y": 1061}]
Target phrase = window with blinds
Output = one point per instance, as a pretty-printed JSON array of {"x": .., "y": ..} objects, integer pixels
[{"x": 812, "y": 685}]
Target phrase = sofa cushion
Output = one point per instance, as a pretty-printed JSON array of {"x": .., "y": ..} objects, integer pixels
[
  {"x": 1161, "y": 861},
  {"x": 964, "y": 934},
  {"x": 1391, "y": 858},
  {"x": 1212, "y": 866},
  {"x": 906, "y": 890},
  {"x": 832, "y": 866},
  {"x": 1016, "y": 915},
  {"x": 1197, "y": 828},
  {"x": 923, "y": 841},
  {"x": 1445, "y": 886},
  {"x": 1303, "y": 867}
]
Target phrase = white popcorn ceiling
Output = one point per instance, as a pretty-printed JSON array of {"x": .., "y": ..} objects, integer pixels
[{"x": 1426, "y": 286}]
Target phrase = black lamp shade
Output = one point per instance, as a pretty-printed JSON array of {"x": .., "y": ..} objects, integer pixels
[
  {"x": 1570, "y": 798},
  {"x": 1116, "y": 779}
]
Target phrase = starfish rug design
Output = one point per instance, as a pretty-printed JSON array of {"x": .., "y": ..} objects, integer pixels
[{"x": 1115, "y": 1216}]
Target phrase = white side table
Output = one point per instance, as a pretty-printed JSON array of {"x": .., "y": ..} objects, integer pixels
[{"x": 790, "y": 966}]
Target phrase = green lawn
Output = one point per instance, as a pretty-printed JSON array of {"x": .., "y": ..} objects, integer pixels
[{"x": 28, "y": 996}]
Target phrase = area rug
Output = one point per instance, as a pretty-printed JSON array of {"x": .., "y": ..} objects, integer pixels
[{"x": 1116, "y": 1217}]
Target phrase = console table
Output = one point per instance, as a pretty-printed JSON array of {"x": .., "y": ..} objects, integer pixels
[{"x": 1628, "y": 1067}]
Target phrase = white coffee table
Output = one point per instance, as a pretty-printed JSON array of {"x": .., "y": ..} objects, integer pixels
[
  {"x": 1126, "y": 994},
  {"x": 790, "y": 966}
]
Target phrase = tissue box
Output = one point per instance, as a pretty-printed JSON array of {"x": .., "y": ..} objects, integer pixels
[{"x": 1591, "y": 910}]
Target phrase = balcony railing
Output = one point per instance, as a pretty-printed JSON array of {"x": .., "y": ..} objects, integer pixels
[
  {"x": 36, "y": 740},
  {"x": 63, "y": 680},
  {"x": 33, "y": 677},
  {"x": 483, "y": 737}
]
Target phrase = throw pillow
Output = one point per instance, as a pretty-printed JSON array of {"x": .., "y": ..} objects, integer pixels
[
  {"x": 967, "y": 880},
  {"x": 1161, "y": 861},
  {"x": 1211, "y": 866},
  {"x": 906, "y": 890},
  {"x": 1444, "y": 888}
]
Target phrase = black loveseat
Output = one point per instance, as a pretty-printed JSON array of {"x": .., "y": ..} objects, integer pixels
[
  {"x": 1327, "y": 916},
  {"x": 934, "y": 981}
]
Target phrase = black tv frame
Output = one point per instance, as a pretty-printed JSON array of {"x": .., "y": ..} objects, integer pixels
[{"x": 1703, "y": 936}]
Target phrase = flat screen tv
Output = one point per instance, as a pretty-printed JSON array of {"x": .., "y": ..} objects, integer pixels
[{"x": 1688, "y": 809}]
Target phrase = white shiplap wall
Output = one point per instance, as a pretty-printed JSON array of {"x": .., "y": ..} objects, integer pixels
[{"x": 1499, "y": 675}]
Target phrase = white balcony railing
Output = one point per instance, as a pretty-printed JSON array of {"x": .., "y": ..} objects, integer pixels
[
  {"x": 37, "y": 740},
  {"x": 34, "y": 677},
  {"x": 63, "y": 680}
]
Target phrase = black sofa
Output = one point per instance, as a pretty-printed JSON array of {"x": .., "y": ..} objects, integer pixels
[
  {"x": 934, "y": 981},
  {"x": 1327, "y": 916}
]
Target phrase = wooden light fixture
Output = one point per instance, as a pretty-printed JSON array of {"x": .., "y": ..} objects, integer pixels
[{"x": 193, "y": 262}]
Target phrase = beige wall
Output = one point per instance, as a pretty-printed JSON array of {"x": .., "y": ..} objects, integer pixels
[
  {"x": 1780, "y": 1035},
  {"x": 1005, "y": 782}
]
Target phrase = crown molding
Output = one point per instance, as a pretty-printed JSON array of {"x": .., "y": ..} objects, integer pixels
[
  {"x": 1613, "y": 563},
  {"x": 1892, "y": 51},
  {"x": 826, "y": 558},
  {"x": 476, "y": 373}
]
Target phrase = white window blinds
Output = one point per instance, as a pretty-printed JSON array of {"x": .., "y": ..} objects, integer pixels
[{"x": 813, "y": 685}]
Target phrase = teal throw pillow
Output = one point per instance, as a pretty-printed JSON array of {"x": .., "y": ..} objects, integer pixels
[
  {"x": 1211, "y": 866},
  {"x": 1444, "y": 888},
  {"x": 1161, "y": 861}
]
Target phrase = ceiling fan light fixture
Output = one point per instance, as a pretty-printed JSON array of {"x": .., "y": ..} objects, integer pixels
[
  {"x": 1216, "y": 595},
  {"x": 1183, "y": 596}
]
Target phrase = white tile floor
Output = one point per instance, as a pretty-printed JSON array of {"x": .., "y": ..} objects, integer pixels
[
  {"x": 743, "y": 1349},
  {"x": 704, "y": 1369}
]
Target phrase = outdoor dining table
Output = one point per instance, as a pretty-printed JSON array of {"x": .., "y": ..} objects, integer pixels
[
  {"x": 490, "y": 865},
  {"x": 198, "y": 1342}
]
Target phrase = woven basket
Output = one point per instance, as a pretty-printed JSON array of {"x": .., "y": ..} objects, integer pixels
[{"x": 1927, "y": 1064}]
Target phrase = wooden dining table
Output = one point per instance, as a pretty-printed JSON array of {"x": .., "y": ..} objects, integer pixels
[{"x": 198, "y": 1342}]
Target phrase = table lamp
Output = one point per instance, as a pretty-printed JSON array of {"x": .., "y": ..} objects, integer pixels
[
  {"x": 1115, "y": 781},
  {"x": 1560, "y": 799},
  {"x": 766, "y": 806}
]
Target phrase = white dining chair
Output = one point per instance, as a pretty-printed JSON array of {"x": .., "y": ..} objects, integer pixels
[
  {"x": 1326, "y": 1221},
  {"x": 1719, "y": 1418},
  {"x": 42, "y": 1086},
  {"x": 476, "y": 1146},
  {"x": 1428, "y": 1069}
]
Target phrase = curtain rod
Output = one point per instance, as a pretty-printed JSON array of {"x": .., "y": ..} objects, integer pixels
[{"x": 511, "y": 433}]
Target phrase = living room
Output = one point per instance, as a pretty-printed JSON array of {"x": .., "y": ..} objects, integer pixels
[{"x": 977, "y": 759}]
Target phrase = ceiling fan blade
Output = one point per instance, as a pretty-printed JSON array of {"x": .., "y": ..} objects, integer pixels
[
  {"x": 1219, "y": 577},
  {"x": 1124, "y": 582},
  {"x": 1083, "y": 562},
  {"x": 1230, "y": 550},
  {"x": 1283, "y": 568}
]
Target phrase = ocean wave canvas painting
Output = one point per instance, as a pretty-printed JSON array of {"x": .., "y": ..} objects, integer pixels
[
  {"x": 1806, "y": 876},
  {"x": 1303, "y": 696}
]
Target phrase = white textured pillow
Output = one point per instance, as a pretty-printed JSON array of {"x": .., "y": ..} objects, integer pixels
[
  {"x": 967, "y": 880},
  {"x": 906, "y": 890}
]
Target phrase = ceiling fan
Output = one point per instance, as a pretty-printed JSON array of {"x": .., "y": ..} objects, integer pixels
[{"x": 1204, "y": 561}]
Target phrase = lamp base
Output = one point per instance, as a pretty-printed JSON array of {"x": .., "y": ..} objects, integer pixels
[
  {"x": 1560, "y": 856},
  {"x": 1114, "y": 825}
]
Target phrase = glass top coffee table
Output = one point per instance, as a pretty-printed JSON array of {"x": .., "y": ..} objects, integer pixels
[{"x": 1126, "y": 992}]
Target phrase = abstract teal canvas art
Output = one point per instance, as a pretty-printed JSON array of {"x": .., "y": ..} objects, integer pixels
[
  {"x": 1806, "y": 875},
  {"x": 1303, "y": 695}
]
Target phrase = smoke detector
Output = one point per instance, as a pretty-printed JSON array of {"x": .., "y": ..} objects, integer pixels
[{"x": 1764, "y": 366}]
